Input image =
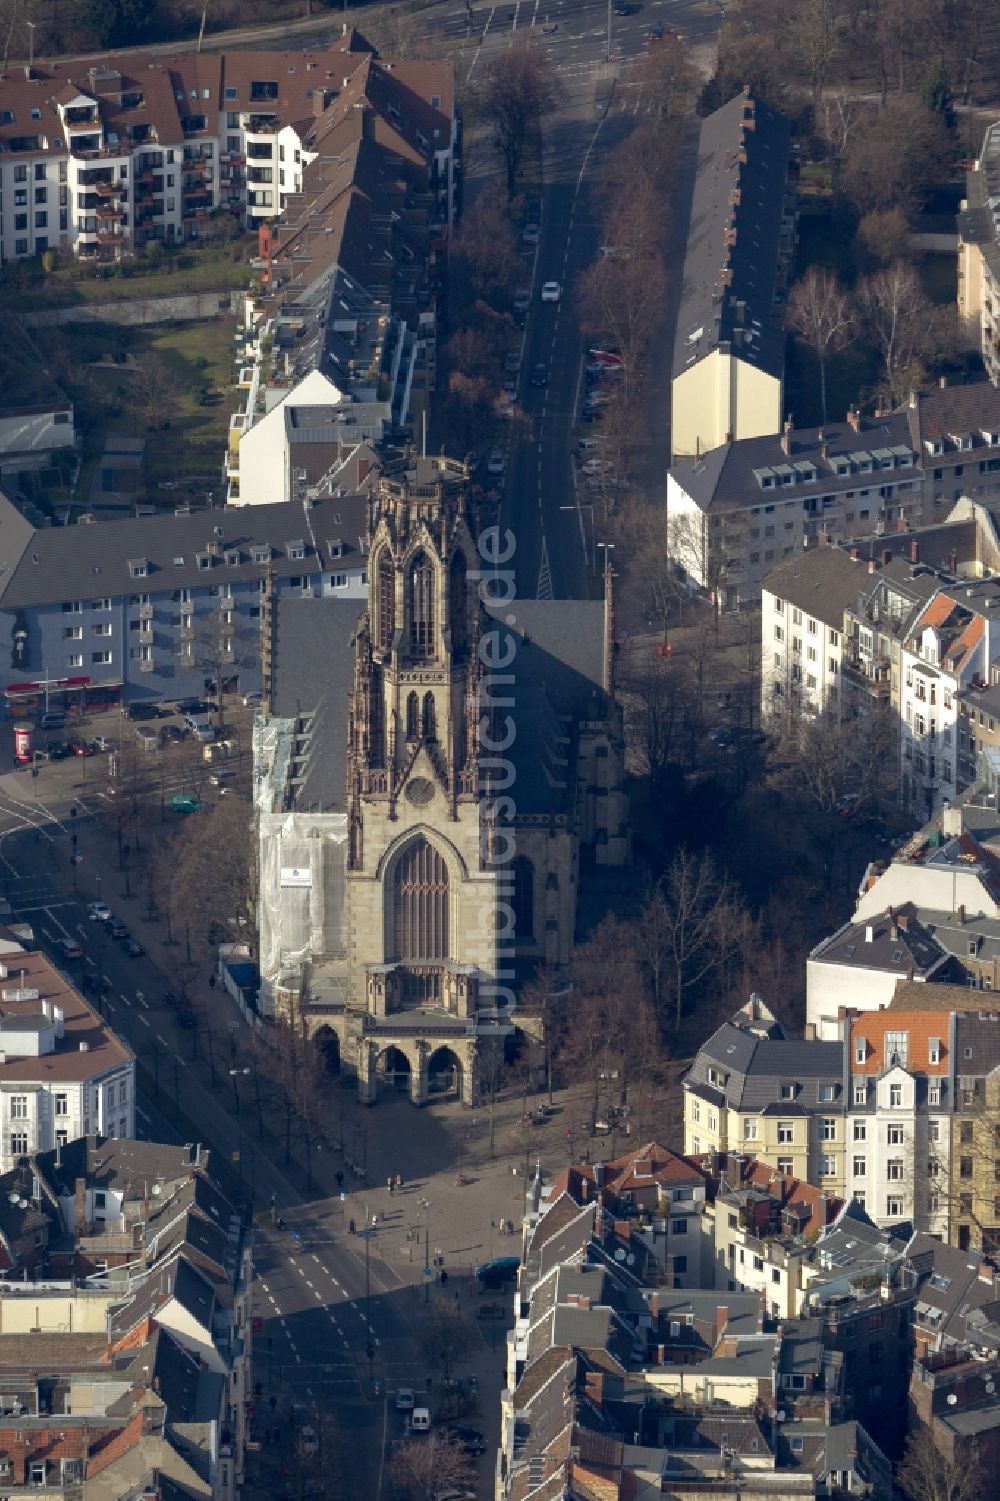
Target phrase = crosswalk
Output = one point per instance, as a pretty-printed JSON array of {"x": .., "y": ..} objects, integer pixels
[{"x": 544, "y": 590}]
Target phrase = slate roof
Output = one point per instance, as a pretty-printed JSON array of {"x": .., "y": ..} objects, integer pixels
[
  {"x": 909, "y": 950},
  {"x": 752, "y": 1358},
  {"x": 755, "y": 1067},
  {"x": 52, "y": 564},
  {"x": 954, "y": 411},
  {"x": 313, "y": 673},
  {"x": 738, "y": 244},
  {"x": 725, "y": 478},
  {"x": 822, "y": 581}
]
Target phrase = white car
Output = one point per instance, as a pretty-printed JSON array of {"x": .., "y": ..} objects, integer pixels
[
  {"x": 98, "y": 911},
  {"x": 254, "y": 696},
  {"x": 595, "y": 466},
  {"x": 551, "y": 291},
  {"x": 496, "y": 463},
  {"x": 405, "y": 1400},
  {"x": 531, "y": 234}
]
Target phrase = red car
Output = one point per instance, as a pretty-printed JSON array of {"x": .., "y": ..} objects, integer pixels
[{"x": 81, "y": 747}]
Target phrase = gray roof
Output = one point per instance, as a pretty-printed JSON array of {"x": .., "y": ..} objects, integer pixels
[
  {"x": 725, "y": 478},
  {"x": 313, "y": 671},
  {"x": 52, "y": 564},
  {"x": 754, "y": 1068},
  {"x": 912, "y": 950},
  {"x": 581, "y": 1327},
  {"x": 801, "y": 1348},
  {"x": 704, "y": 320},
  {"x": 954, "y": 411},
  {"x": 823, "y": 581},
  {"x": 752, "y": 1357}
]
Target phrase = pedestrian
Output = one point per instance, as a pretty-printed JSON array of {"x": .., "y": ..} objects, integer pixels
[
  {"x": 444, "y": 1277},
  {"x": 510, "y": 1227},
  {"x": 374, "y": 1219},
  {"x": 503, "y": 1227},
  {"x": 399, "y": 1180},
  {"x": 390, "y": 1183},
  {"x": 350, "y": 1227},
  {"x": 340, "y": 1179}
]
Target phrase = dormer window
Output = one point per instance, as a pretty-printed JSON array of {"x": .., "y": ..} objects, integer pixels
[
  {"x": 934, "y": 445},
  {"x": 336, "y": 549},
  {"x": 138, "y": 568},
  {"x": 787, "y": 1092},
  {"x": 860, "y": 1050},
  {"x": 296, "y": 551},
  {"x": 260, "y": 555},
  {"x": 232, "y": 558},
  {"x": 991, "y": 436},
  {"x": 962, "y": 440},
  {"x": 204, "y": 560},
  {"x": 179, "y": 561}
]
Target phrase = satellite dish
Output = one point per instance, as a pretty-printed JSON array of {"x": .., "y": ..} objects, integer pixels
[
  {"x": 156, "y": 1190},
  {"x": 619, "y": 1254},
  {"x": 13, "y": 1198},
  {"x": 22, "y": 1203},
  {"x": 630, "y": 1259},
  {"x": 952, "y": 1399},
  {"x": 781, "y": 1414}
]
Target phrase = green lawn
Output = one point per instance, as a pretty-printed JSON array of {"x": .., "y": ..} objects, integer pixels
[
  {"x": 112, "y": 399},
  {"x": 24, "y": 285}
]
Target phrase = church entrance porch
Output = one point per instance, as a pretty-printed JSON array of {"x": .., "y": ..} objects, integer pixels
[
  {"x": 392, "y": 1070},
  {"x": 444, "y": 1074}
]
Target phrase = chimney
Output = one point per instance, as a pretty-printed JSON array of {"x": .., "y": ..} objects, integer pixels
[
  {"x": 886, "y": 556},
  {"x": 856, "y": 553},
  {"x": 869, "y": 934},
  {"x": 903, "y": 921},
  {"x": 960, "y": 915},
  {"x": 914, "y": 551},
  {"x": 59, "y": 1017},
  {"x": 913, "y": 399},
  {"x": 824, "y": 450},
  {"x": 872, "y": 565},
  {"x": 786, "y": 436},
  {"x": 80, "y": 1205},
  {"x": 654, "y": 1305},
  {"x": 729, "y": 437},
  {"x": 942, "y": 381},
  {"x": 809, "y": 1032},
  {"x": 854, "y": 419},
  {"x": 821, "y": 435},
  {"x": 721, "y": 1320}
]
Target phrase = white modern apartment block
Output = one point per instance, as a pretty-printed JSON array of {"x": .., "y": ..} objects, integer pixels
[
  {"x": 63, "y": 1072},
  {"x": 802, "y": 629}
]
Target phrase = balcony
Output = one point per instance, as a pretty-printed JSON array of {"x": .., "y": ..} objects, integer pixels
[
  {"x": 106, "y": 189},
  {"x": 147, "y": 665},
  {"x": 106, "y": 211},
  {"x": 146, "y": 637},
  {"x": 145, "y": 612}
]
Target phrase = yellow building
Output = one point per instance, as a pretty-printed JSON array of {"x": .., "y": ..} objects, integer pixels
[{"x": 729, "y": 349}]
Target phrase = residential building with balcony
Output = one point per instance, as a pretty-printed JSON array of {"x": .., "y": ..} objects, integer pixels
[
  {"x": 751, "y": 1088},
  {"x": 729, "y": 349},
  {"x": 63, "y": 1071},
  {"x": 979, "y": 255},
  {"x": 149, "y": 607},
  {"x": 150, "y": 1268},
  {"x": 804, "y": 649}
]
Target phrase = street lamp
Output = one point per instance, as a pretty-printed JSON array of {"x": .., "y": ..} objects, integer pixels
[{"x": 425, "y": 1205}]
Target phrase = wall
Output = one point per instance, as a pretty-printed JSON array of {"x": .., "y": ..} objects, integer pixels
[
  {"x": 134, "y": 311},
  {"x": 55, "y": 1313},
  {"x": 830, "y": 986}
]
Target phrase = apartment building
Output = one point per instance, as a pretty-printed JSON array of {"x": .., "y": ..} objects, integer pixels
[
  {"x": 979, "y": 254},
  {"x": 744, "y": 507},
  {"x": 129, "y": 1362},
  {"x": 63, "y": 1071},
  {"x": 150, "y": 607},
  {"x": 729, "y": 349},
  {"x": 751, "y": 1088},
  {"x": 98, "y": 160},
  {"x": 803, "y": 643}
]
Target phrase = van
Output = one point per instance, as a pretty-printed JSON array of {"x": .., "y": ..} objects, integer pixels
[
  {"x": 199, "y": 727},
  {"x": 420, "y": 1420},
  {"x": 587, "y": 445}
]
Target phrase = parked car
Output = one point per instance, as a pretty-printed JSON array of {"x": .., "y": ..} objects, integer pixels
[
  {"x": 405, "y": 1400},
  {"x": 252, "y": 697},
  {"x": 183, "y": 802},
  {"x": 551, "y": 291},
  {"x": 59, "y": 750},
  {"x": 500, "y": 1269},
  {"x": 53, "y": 719},
  {"x": 143, "y": 711},
  {"x": 103, "y": 743},
  {"x": 117, "y": 928},
  {"x": 70, "y": 949},
  {"x": 133, "y": 948},
  {"x": 522, "y": 300},
  {"x": 512, "y": 361},
  {"x": 469, "y": 1439},
  {"x": 186, "y": 1018},
  {"x": 540, "y": 375},
  {"x": 595, "y": 466},
  {"x": 222, "y": 776},
  {"x": 98, "y": 911},
  {"x": 81, "y": 747},
  {"x": 195, "y": 706},
  {"x": 531, "y": 234},
  {"x": 198, "y": 726},
  {"x": 496, "y": 463},
  {"x": 171, "y": 734}
]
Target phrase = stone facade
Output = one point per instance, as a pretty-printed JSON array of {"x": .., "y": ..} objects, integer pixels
[{"x": 482, "y": 782}]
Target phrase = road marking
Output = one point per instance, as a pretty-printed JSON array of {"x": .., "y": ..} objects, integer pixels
[
  {"x": 298, "y": 1357},
  {"x": 479, "y": 49},
  {"x": 315, "y": 1258},
  {"x": 53, "y": 919},
  {"x": 308, "y": 1283},
  {"x": 125, "y": 1000},
  {"x": 145, "y": 1023},
  {"x": 142, "y": 1000}
]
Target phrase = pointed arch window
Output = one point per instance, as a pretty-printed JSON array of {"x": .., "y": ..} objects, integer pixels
[
  {"x": 412, "y": 717},
  {"x": 430, "y": 717},
  {"x": 421, "y": 606},
  {"x": 385, "y": 600},
  {"x": 458, "y": 605},
  {"x": 523, "y": 901},
  {"x": 420, "y": 902}
]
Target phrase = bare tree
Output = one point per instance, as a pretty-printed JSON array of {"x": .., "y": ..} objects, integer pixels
[
  {"x": 448, "y": 1338},
  {"x": 620, "y": 298},
  {"x": 689, "y": 932},
  {"x": 894, "y": 162},
  {"x": 819, "y": 313},
  {"x": 543, "y": 1005},
  {"x": 884, "y": 235},
  {"x": 154, "y": 388},
  {"x": 222, "y": 646},
  {"x": 212, "y": 877},
  {"x": 484, "y": 252},
  {"x": 422, "y": 1467},
  {"x": 925, "y": 1474},
  {"x": 665, "y": 80},
  {"x": 907, "y": 329},
  {"x": 518, "y": 88}
]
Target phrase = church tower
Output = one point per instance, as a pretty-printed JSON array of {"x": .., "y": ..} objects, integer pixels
[{"x": 421, "y": 898}]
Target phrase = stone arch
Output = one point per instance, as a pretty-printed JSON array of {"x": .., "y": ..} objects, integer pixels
[
  {"x": 394, "y": 1068},
  {"x": 421, "y": 604},
  {"x": 456, "y": 860},
  {"x": 445, "y": 1073},
  {"x": 384, "y": 574},
  {"x": 327, "y": 1045},
  {"x": 413, "y": 716},
  {"x": 418, "y": 903}
]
